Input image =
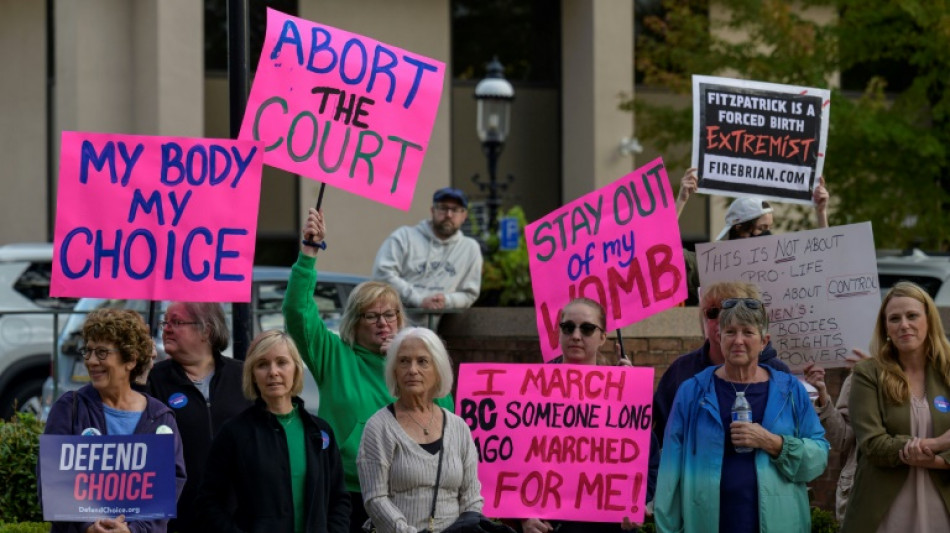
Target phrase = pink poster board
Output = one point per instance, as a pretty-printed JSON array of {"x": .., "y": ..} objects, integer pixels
[
  {"x": 342, "y": 108},
  {"x": 619, "y": 245},
  {"x": 160, "y": 218},
  {"x": 557, "y": 441}
]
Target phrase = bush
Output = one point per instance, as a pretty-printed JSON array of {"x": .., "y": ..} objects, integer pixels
[
  {"x": 823, "y": 521},
  {"x": 25, "y": 527},
  {"x": 506, "y": 279},
  {"x": 19, "y": 450}
]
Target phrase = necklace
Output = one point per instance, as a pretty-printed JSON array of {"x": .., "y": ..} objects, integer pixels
[
  {"x": 287, "y": 419},
  {"x": 725, "y": 376},
  {"x": 425, "y": 428}
]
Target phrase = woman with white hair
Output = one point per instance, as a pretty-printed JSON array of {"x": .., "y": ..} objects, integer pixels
[{"x": 417, "y": 462}]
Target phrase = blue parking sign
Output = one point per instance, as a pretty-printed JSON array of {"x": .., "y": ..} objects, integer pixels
[{"x": 508, "y": 234}]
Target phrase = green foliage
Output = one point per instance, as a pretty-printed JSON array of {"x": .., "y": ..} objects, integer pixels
[
  {"x": 25, "y": 527},
  {"x": 823, "y": 521},
  {"x": 506, "y": 279},
  {"x": 888, "y": 159},
  {"x": 19, "y": 449}
]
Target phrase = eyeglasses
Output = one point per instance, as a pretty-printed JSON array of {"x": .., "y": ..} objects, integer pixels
[
  {"x": 372, "y": 318},
  {"x": 443, "y": 209},
  {"x": 713, "y": 312},
  {"x": 100, "y": 353},
  {"x": 175, "y": 323},
  {"x": 587, "y": 329}
]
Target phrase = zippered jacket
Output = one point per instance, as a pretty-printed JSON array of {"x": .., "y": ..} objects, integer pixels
[{"x": 687, "y": 493}]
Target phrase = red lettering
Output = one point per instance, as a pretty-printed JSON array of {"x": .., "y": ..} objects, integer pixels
[
  {"x": 501, "y": 487},
  {"x": 551, "y": 328},
  {"x": 634, "y": 280},
  {"x": 147, "y": 485},
  {"x": 490, "y": 372},
  {"x": 611, "y": 492},
  {"x": 78, "y": 492},
  {"x": 659, "y": 269},
  {"x": 711, "y": 137}
]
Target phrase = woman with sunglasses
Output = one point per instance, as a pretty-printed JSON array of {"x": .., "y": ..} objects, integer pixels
[
  {"x": 717, "y": 474},
  {"x": 349, "y": 367},
  {"x": 899, "y": 412},
  {"x": 117, "y": 348},
  {"x": 582, "y": 323}
]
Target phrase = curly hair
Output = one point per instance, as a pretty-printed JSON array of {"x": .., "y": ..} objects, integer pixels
[
  {"x": 125, "y": 329},
  {"x": 894, "y": 381}
]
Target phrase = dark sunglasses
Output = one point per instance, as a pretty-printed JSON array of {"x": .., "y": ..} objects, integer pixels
[
  {"x": 587, "y": 329},
  {"x": 751, "y": 303}
]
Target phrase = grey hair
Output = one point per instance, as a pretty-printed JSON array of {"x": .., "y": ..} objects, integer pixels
[
  {"x": 742, "y": 315},
  {"x": 435, "y": 347},
  {"x": 210, "y": 318}
]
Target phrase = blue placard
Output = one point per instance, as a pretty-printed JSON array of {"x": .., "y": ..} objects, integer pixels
[
  {"x": 92, "y": 477},
  {"x": 509, "y": 233}
]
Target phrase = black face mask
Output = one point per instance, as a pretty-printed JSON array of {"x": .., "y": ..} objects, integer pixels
[{"x": 765, "y": 233}]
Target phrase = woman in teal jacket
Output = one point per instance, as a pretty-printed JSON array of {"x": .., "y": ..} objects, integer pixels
[
  {"x": 348, "y": 367},
  {"x": 707, "y": 482}
]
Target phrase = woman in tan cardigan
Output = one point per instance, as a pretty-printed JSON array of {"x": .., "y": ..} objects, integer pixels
[{"x": 900, "y": 412}]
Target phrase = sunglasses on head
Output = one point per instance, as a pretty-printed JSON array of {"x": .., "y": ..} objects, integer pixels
[
  {"x": 587, "y": 329},
  {"x": 751, "y": 303}
]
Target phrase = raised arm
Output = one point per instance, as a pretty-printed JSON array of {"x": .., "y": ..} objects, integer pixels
[
  {"x": 316, "y": 343},
  {"x": 688, "y": 185},
  {"x": 820, "y": 197}
]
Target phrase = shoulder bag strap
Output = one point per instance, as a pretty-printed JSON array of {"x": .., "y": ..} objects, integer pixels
[{"x": 438, "y": 475}]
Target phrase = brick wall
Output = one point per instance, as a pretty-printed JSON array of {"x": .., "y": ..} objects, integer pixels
[{"x": 509, "y": 335}]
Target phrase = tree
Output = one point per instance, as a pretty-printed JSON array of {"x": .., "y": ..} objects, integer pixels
[{"x": 890, "y": 126}]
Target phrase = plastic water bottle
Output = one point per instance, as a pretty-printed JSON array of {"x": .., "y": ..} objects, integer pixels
[{"x": 741, "y": 412}]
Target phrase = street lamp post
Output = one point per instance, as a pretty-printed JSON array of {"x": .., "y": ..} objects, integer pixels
[{"x": 494, "y": 95}]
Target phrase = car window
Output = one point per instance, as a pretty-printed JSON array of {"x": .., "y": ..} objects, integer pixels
[
  {"x": 928, "y": 283},
  {"x": 34, "y": 284},
  {"x": 271, "y": 297}
]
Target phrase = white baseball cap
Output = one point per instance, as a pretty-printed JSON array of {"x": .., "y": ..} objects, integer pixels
[{"x": 743, "y": 210}]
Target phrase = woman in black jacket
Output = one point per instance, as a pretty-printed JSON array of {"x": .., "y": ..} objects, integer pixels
[{"x": 274, "y": 467}]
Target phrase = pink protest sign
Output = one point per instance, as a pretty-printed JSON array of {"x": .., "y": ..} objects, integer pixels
[
  {"x": 160, "y": 218},
  {"x": 557, "y": 441},
  {"x": 619, "y": 245},
  {"x": 343, "y": 109}
]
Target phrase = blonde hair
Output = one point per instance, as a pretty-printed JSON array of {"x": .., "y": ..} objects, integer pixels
[
  {"x": 894, "y": 381},
  {"x": 364, "y": 295},
  {"x": 714, "y": 294},
  {"x": 261, "y": 345}
]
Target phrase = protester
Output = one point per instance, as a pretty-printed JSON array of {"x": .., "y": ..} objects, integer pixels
[
  {"x": 418, "y": 465},
  {"x": 432, "y": 265},
  {"x": 750, "y": 216},
  {"x": 709, "y": 354},
  {"x": 201, "y": 386},
  {"x": 746, "y": 217},
  {"x": 836, "y": 420},
  {"x": 582, "y": 323},
  {"x": 348, "y": 367},
  {"x": 274, "y": 467},
  {"x": 899, "y": 410},
  {"x": 116, "y": 350},
  {"x": 706, "y": 482}
]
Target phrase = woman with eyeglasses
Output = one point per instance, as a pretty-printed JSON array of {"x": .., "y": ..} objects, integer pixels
[
  {"x": 349, "y": 367},
  {"x": 116, "y": 350},
  {"x": 899, "y": 412},
  {"x": 201, "y": 386},
  {"x": 717, "y": 474},
  {"x": 582, "y": 323}
]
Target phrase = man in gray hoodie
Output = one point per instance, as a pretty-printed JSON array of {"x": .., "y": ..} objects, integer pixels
[{"x": 432, "y": 264}]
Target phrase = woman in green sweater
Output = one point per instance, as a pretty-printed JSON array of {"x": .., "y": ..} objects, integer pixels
[{"x": 348, "y": 367}]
